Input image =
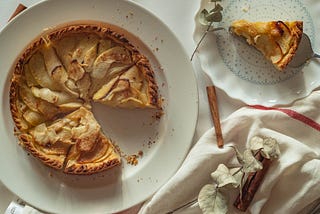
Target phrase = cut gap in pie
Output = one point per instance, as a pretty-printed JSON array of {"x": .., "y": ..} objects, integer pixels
[
  {"x": 56, "y": 79},
  {"x": 276, "y": 40}
]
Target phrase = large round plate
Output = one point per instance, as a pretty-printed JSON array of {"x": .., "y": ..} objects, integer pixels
[
  {"x": 164, "y": 143},
  {"x": 242, "y": 71}
]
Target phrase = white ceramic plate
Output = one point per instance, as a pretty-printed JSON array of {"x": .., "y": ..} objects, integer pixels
[
  {"x": 241, "y": 71},
  {"x": 164, "y": 143}
]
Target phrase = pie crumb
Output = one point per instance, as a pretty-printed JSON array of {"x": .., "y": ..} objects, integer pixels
[
  {"x": 132, "y": 159},
  {"x": 246, "y": 8}
]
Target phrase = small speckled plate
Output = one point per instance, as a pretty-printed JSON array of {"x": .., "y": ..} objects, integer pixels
[
  {"x": 241, "y": 70},
  {"x": 164, "y": 142}
]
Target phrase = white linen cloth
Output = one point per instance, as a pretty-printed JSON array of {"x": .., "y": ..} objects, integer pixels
[{"x": 292, "y": 181}]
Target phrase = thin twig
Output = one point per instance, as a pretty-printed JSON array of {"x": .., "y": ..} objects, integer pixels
[
  {"x": 236, "y": 172},
  {"x": 205, "y": 33},
  {"x": 217, "y": 11},
  {"x": 190, "y": 203}
]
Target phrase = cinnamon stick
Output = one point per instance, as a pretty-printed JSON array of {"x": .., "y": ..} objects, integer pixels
[
  {"x": 18, "y": 10},
  {"x": 252, "y": 184},
  {"x": 213, "y": 104}
]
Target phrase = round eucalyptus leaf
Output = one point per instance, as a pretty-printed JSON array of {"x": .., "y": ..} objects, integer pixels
[
  {"x": 202, "y": 17},
  {"x": 223, "y": 177},
  {"x": 211, "y": 201},
  {"x": 251, "y": 164}
]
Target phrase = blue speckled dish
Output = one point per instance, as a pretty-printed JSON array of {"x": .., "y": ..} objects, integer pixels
[{"x": 241, "y": 70}]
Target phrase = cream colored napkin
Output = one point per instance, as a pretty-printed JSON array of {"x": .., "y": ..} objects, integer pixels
[{"x": 293, "y": 180}]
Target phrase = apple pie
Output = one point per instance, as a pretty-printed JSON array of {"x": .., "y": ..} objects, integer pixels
[
  {"x": 54, "y": 83},
  {"x": 277, "y": 40}
]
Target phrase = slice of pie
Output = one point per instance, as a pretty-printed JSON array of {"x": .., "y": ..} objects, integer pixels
[
  {"x": 277, "y": 40},
  {"x": 54, "y": 83},
  {"x": 74, "y": 142}
]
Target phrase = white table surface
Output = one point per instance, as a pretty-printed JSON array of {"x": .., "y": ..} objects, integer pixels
[{"x": 179, "y": 16}]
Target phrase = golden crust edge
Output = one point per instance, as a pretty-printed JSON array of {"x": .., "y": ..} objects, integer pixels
[
  {"x": 16, "y": 116},
  {"x": 296, "y": 32},
  {"x": 56, "y": 163},
  {"x": 113, "y": 159},
  {"x": 16, "y": 75},
  {"x": 59, "y": 162},
  {"x": 91, "y": 168}
]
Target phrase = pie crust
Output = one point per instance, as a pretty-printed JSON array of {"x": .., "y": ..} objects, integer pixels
[
  {"x": 56, "y": 79},
  {"x": 278, "y": 41}
]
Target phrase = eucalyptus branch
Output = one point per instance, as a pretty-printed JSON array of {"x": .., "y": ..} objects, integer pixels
[
  {"x": 207, "y": 18},
  {"x": 190, "y": 203},
  {"x": 239, "y": 170},
  {"x": 203, "y": 35}
]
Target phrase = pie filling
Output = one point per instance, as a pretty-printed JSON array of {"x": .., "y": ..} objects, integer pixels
[
  {"x": 74, "y": 142},
  {"x": 56, "y": 79},
  {"x": 276, "y": 40}
]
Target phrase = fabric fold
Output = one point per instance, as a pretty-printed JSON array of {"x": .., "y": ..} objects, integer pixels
[{"x": 293, "y": 180}]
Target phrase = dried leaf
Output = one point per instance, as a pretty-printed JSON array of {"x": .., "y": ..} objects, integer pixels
[
  {"x": 270, "y": 148},
  {"x": 202, "y": 17},
  {"x": 223, "y": 177},
  {"x": 237, "y": 174},
  {"x": 256, "y": 143},
  {"x": 212, "y": 201},
  {"x": 214, "y": 17},
  {"x": 217, "y": 8},
  {"x": 238, "y": 155},
  {"x": 250, "y": 163},
  {"x": 207, "y": 18}
]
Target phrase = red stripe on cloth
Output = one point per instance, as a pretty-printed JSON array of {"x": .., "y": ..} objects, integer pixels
[{"x": 293, "y": 114}]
